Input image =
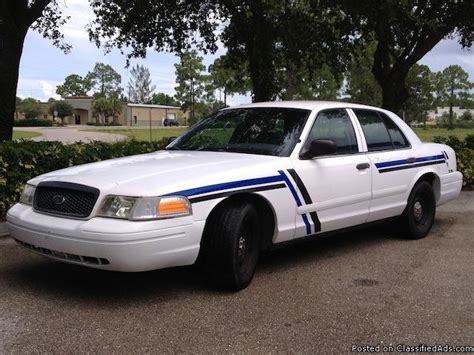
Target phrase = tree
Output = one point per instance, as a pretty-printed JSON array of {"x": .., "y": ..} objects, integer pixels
[
  {"x": 255, "y": 32},
  {"x": 452, "y": 85},
  {"x": 105, "y": 81},
  {"x": 163, "y": 99},
  {"x": 140, "y": 86},
  {"x": 420, "y": 85},
  {"x": 404, "y": 32},
  {"x": 224, "y": 76},
  {"x": 319, "y": 84},
  {"x": 466, "y": 116},
  {"x": 104, "y": 108},
  {"x": 30, "y": 108},
  {"x": 62, "y": 109},
  {"x": 74, "y": 85},
  {"x": 16, "y": 18},
  {"x": 361, "y": 86},
  {"x": 191, "y": 80}
]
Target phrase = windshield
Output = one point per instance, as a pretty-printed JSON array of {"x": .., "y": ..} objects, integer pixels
[{"x": 267, "y": 131}]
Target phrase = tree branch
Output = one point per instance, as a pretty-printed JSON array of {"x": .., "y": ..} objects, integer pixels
[{"x": 36, "y": 9}]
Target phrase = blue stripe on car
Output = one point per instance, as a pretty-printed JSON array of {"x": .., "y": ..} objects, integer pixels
[
  {"x": 405, "y": 161},
  {"x": 228, "y": 185}
]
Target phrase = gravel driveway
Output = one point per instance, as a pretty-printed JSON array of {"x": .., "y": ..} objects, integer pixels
[
  {"x": 365, "y": 287},
  {"x": 72, "y": 134}
]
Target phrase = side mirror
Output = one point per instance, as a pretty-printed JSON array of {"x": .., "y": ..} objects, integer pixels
[
  {"x": 171, "y": 139},
  {"x": 318, "y": 147}
]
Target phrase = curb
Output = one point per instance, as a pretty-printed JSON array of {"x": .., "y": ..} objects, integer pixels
[{"x": 3, "y": 229}]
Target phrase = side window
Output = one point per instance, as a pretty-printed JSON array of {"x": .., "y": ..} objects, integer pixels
[
  {"x": 398, "y": 139},
  {"x": 375, "y": 131},
  {"x": 335, "y": 125}
]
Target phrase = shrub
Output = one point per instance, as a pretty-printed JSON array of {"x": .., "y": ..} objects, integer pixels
[
  {"x": 469, "y": 141},
  {"x": 33, "y": 123},
  {"x": 464, "y": 155},
  {"x": 22, "y": 160}
]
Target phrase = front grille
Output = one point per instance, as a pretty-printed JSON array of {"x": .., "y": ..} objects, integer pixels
[
  {"x": 90, "y": 260},
  {"x": 65, "y": 199}
]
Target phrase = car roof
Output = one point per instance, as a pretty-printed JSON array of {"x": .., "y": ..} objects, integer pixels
[{"x": 308, "y": 105}]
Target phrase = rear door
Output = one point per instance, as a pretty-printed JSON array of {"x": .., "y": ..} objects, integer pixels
[
  {"x": 335, "y": 190},
  {"x": 391, "y": 157}
]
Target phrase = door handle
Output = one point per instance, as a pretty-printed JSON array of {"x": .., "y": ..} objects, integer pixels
[
  {"x": 363, "y": 166},
  {"x": 411, "y": 160}
]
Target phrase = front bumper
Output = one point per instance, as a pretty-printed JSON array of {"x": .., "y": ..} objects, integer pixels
[{"x": 106, "y": 243}]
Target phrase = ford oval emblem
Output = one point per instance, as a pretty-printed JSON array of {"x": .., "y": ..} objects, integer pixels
[{"x": 59, "y": 199}]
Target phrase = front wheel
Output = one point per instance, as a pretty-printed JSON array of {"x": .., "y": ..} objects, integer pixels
[
  {"x": 231, "y": 245},
  {"x": 419, "y": 215}
]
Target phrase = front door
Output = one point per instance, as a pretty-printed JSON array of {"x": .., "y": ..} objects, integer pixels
[
  {"x": 335, "y": 189},
  {"x": 77, "y": 119}
]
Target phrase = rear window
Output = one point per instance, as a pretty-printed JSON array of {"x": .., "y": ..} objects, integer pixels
[{"x": 380, "y": 131}]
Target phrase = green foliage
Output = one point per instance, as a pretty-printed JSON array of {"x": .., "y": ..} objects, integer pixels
[
  {"x": 361, "y": 84},
  {"x": 23, "y": 160},
  {"x": 74, "y": 85},
  {"x": 452, "y": 86},
  {"x": 61, "y": 109},
  {"x": 30, "y": 107},
  {"x": 420, "y": 85},
  {"x": 464, "y": 156},
  {"x": 163, "y": 99},
  {"x": 225, "y": 77},
  {"x": 466, "y": 116},
  {"x": 104, "y": 108},
  {"x": 404, "y": 32},
  {"x": 191, "y": 80},
  {"x": 140, "y": 85},
  {"x": 33, "y": 123},
  {"x": 105, "y": 81}
]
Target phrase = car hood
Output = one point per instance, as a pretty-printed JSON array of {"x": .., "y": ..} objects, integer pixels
[{"x": 167, "y": 171}]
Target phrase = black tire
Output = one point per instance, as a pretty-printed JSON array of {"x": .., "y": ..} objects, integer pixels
[
  {"x": 419, "y": 215},
  {"x": 231, "y": 245}
]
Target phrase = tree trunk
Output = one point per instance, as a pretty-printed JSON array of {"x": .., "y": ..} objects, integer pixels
[
  {"x": 11, "y": 48},
  {"x": 394, "y": 93},
  {"x": 260, "y": 49},
  {"x": 451, "y": 114}
]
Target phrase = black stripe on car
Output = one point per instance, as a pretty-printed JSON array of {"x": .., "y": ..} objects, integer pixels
[{"x": 306, "y": 198}]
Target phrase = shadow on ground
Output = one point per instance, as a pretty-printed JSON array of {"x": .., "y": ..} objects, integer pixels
[{"x": 35, "y": 274}]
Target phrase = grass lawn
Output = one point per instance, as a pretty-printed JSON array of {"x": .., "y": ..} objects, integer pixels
[
  {"x": 25, "y": 134},
  {"x": 428, "y": 134},
  {"x": 142, "y": 134}
]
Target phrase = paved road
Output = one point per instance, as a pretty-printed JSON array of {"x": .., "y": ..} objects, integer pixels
[
  {"x": 366, "y": 287},
  {"x": 72, "y": 134}
]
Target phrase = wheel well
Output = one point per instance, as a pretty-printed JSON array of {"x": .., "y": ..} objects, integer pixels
[
  {"x": 433, "y": 179},
  {"x": 265, "y": 212}
]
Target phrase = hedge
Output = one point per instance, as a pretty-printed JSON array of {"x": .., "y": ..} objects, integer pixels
[
  {"x": 33, "y": 123},
  {"x": 464, "y": 155},
  {"x": 23, "y": 160}
]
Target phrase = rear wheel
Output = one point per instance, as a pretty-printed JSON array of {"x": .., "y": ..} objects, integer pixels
[
  {"x": 231, "y": 245},
  {"x": 419, "y": 215}
]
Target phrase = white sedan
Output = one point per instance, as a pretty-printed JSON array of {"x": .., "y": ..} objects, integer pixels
[{"x": 236, "y": 184}]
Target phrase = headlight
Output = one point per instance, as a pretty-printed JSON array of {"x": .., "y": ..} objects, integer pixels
[
  {"x": 145, "y": 208},
  {"x": 27, "y": 195}
]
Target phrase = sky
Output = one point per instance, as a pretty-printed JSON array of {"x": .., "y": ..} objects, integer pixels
[{"x": 43, "y": 67}]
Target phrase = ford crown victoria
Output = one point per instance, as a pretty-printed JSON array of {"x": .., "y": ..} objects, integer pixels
[{"x": 236, "y": 184}]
